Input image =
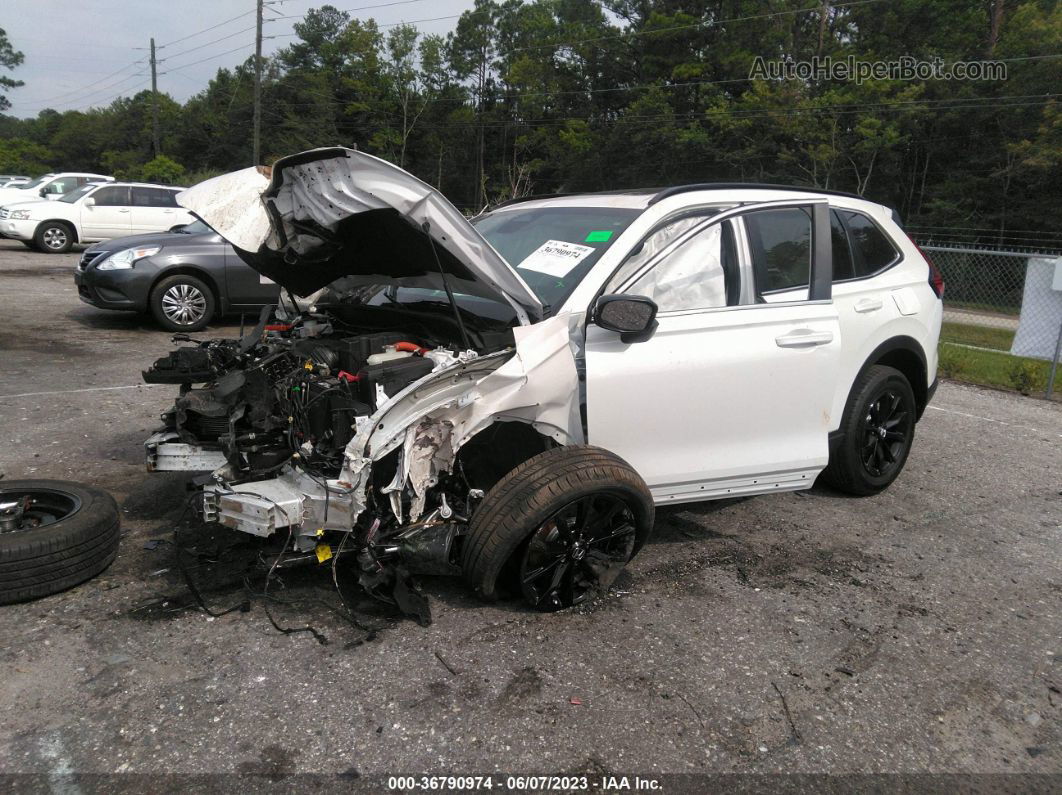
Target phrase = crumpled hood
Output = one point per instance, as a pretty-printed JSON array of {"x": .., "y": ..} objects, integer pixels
[{"x": 334, "y": 212}]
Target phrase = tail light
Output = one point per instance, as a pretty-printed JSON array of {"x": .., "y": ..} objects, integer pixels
[{"x": 936, "y": 278}]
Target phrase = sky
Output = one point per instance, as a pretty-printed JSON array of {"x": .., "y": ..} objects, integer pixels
[{"x": 84, "y": 53}]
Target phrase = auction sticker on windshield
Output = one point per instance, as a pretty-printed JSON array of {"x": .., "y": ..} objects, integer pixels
[{"x": 556, "y": 257}]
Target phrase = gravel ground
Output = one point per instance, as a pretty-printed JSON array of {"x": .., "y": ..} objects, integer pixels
[{"x": 913, "y": 632}]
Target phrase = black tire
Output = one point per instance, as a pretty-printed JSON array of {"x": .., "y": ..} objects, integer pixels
[
  {"x": 53, "y": 237},
  {"x": 870, "y": 457},
  {"x": 77, "y": 542},
  {"x": 183, "y": 303},
  {"x": 522, "y": 505}
]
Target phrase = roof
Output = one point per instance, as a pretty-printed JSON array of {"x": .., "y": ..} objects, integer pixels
[{"x": 645, "y": 197}]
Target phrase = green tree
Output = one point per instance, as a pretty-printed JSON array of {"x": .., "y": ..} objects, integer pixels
[{"x": 9, "y": 59}]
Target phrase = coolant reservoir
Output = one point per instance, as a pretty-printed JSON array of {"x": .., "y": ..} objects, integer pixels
[{"x": 388, "y": 354}]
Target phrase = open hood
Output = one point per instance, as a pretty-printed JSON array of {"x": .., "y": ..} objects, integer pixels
[{"x": 328, "y": 213}]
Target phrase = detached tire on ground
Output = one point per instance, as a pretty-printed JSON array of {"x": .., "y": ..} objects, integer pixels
[
  {"x": 878, "y": 425},
  {"x": 53, "y": 237},
  {"x": 65, "y": 534},
  {"x": 183, "y": 303},
  {"x": 562, "y": 525}
]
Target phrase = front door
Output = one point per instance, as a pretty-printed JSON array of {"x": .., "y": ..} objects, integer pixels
[
  {"x": 732, "y": 393},
  {"x": 108, "y": 216}
]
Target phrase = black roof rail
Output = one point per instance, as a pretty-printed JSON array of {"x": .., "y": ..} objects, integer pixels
[{"x": 668, "y": 192}]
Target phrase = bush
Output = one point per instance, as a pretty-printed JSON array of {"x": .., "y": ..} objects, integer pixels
[
  {"x": 162, "y": 169},
  {"x": 953, "y": 362},
  {"x": 1026, "y": 377}
]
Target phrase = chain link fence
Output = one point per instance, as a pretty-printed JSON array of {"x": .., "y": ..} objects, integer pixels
[{"x": 1002, "y": 315}]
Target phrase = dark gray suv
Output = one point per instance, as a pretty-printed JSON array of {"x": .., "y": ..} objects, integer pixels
[{"x": 185, "y": 277}]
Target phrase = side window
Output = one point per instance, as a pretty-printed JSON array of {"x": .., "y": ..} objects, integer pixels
[
  {"x": 842, "y": 252},
  {"x": 656, "y": 242},
  {"x": 111, "y": 197},
  {"x": 58, "y": 187},
  {"x": 872, "y": 248},
  {"x": 142, "y": 197},
  {"x": 696, "y": 274},
  {"x": 780, "y": 243},
  {"x": 164, "y": 198}
]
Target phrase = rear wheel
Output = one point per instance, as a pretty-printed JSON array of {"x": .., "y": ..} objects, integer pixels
[
  {"x": 54, "y": 237},
  {"x": 183, "y": 303},
  {"x": 563, "y": 525},
  {"x": 878, "y": 425}
]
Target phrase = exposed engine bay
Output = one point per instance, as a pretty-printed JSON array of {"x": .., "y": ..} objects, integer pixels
[{"x": 294, "y": 420}]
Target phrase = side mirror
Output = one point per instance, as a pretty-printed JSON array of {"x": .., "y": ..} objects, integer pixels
[
  {"x": 43, "y": 193},
  {"x": 633, "y": 316},
  {"x": 89, "y": 202}
]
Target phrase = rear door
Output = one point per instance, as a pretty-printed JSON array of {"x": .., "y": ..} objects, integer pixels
[
  {"x": 732, "y": 393},
  {"x": 109, "y": 216},
  {"x": 156, "y": 210}
]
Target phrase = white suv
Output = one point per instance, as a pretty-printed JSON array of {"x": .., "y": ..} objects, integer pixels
[
  {"x": 509, "y": 399},
  {"x": 92, "y": 213},
  {"x": 49, "y": 186}
]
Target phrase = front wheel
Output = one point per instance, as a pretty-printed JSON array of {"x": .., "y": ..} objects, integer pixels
[
  {"x": 182, "y": 303},
  {"x": 563, "y": 524},
  {"x": 878, "y": 426},
  {"x": 53, "y": 237}
]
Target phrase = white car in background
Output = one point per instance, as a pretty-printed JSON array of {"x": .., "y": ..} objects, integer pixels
[
  {"x": 92, "y": 213},
  {"x": 49, "y": 186}
]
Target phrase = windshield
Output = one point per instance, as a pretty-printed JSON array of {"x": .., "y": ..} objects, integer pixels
[
  {"x": 74, "y": 195},
  {"x": 33, "y": 183},
  {"x": 197, "y": 227},
  {"x": 553, "y": 248}
]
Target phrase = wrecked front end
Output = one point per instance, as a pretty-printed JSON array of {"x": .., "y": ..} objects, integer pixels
[
  {"x": 368, "y": 419},
  {"x": 373, "y": 446}
]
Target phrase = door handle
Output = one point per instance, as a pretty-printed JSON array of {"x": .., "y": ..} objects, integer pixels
[
  {"x": 868, "y": 305},
  {"x": 804, "y": 338},
  {"x": 122, "y": 210}
]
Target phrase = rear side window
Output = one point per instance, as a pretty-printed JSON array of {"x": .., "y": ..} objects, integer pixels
[
  {"x": 111, "y": 197},
  {"x": 872, "y": 250},
  {"x": 780, "y": 241},
  {"x": 842, "y": 252},
  {"x": 154, "y": 197}
]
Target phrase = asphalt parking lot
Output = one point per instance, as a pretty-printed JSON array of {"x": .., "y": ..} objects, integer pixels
[{"x": 915, "y": 632}]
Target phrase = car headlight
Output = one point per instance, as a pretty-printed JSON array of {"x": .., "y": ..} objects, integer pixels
[
  {"x": 19, "y": 215},
  {"x": 121, "y": 260}
]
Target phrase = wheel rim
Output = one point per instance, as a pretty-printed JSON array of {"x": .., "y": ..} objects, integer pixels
[
  {"x": 28, "y": 509},
  {"x": 580, "y": 549},
  {"x": 184, "y": 304},
  {"x": 54, "y": 237},
  {"x": 886, "y": 433}
]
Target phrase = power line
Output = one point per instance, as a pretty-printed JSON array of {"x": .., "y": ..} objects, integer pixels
[
  {"x": 205, "y": 30},
  {"x": 210, "y": 57},
  {"x": 87, "y": 86},
  {"x": 707, "y": 23},
  {"x": 203, "y": 46}
]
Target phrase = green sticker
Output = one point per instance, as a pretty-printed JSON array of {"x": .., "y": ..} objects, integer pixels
[{"x": 599, "y": 236}]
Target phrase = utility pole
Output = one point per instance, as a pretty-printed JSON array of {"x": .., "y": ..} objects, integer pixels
[
  {"x": 155, "y": 102},
  {"x": 258, "y": 85}
]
